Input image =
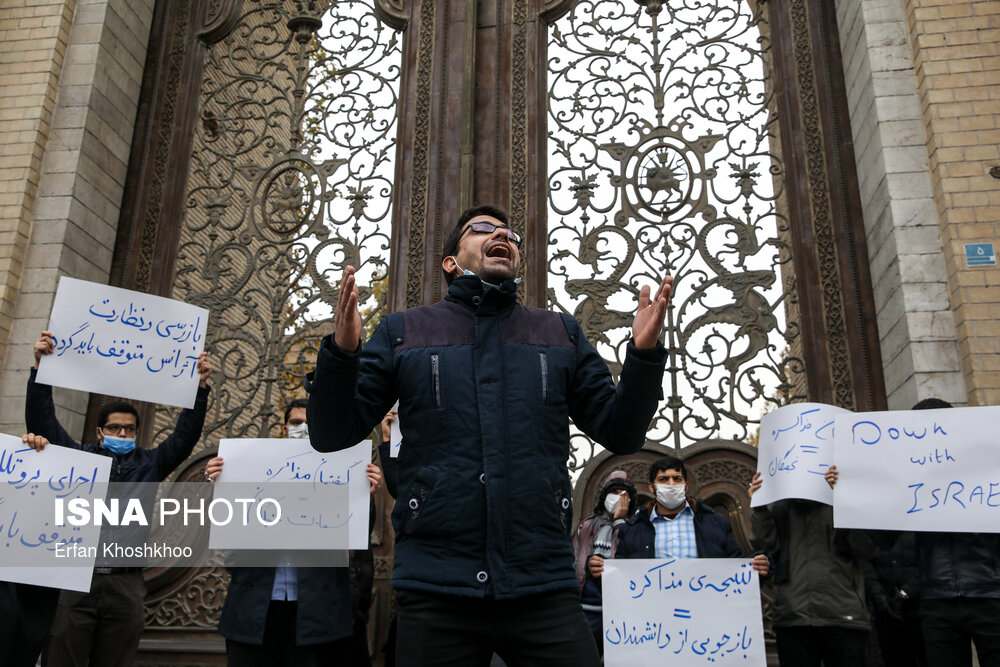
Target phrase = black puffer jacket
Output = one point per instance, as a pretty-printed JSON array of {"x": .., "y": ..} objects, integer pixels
[
  {"x": 713, "y": 534},
  {"x": 323, "y": 611},
  {"x": 486, "y": 388},
  {"x": 959, "y": 565}
]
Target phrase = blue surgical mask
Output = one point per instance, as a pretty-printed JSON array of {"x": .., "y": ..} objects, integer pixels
[
  {"x": 466, "y": 272},
  {"x": 119, "y": 446}
]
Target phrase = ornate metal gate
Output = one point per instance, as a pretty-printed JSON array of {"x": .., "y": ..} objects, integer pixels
[{"x": 269, "y": 157}]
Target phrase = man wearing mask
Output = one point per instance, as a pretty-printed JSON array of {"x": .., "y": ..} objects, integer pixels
[
  {"x": 597, "y": 535},
  {"x": 103, "y": 627},
  {"x": 486, "y": 389},
  {"x": 305, "y": 617},
  {"x": 676, "y": 525}
]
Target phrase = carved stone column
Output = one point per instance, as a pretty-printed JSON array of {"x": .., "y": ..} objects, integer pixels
[{"x": 472, "y": 131}]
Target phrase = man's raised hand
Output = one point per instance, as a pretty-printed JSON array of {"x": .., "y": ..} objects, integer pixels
[
  {"x": 204, "y": 368},
  {"x": 648, "y": 323},
  {"x": 347, "y": 318},
  {"x": 44, "y": 345}
]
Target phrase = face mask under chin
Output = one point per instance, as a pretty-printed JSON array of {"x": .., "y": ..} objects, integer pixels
[{"x": 486, "y": 285}]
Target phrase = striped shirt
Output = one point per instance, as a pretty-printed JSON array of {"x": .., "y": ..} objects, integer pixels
[{"x": 675, "y": 537}]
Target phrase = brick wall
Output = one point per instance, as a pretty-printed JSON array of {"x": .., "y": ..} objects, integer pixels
[
  {"x": 918, "y": 336},
  {"x": 956, "y": 48}
]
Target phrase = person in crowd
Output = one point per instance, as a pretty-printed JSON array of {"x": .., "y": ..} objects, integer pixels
[
  {"x": 675, "y": 525},
  {"x": 26, "y": 611},
  {"x": 892, "y": 588},
  {"x": 820, "y": 615},
  {"x": 486, "y": 388},
  {"x": 597, "y": 535},
  {"x": 103, "y": 627},
  {"x": 959, "y": 589},
  {"x": 292, "y": 616}
]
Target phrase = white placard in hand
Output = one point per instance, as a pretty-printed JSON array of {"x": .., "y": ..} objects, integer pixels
[{"x": 118, "y": 342}]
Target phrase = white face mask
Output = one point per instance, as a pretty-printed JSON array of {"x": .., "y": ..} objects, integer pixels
[
  {"x": 298, "y": 431},
  {"x": 670, "y": 496},
  {"x": 611, "y": 503}
]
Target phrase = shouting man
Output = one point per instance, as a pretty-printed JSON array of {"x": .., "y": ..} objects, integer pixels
[{"x": 486, "y": 388}]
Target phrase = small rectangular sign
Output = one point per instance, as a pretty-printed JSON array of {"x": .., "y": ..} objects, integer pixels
[
  {"x": 123, "y": 343},
  {"x": 921, "y": 470},
  {"x": 30, "y": 485},
  {"x": 795, "y": 450},
  {"x": 329, "y": 512},
  {"x": 685, "y": 612},
  {"x": 980, "y": 254}
]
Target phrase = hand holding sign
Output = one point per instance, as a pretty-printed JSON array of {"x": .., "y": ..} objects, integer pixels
[
  {"x": 796, "y": 448},
  {"x": 122, "y": 343},
  {"x": 925, "y": 470}
]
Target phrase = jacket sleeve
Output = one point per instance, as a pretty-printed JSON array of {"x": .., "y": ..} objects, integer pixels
[
  {"x": 764, "y": 532},
  {"x": 179, "y": 444},
  {"x": 617, "y": 417},
  {"x": 729, "y": 545},
  {"x": 349, "y": 393},
  {"x": 40, "y": 414}
]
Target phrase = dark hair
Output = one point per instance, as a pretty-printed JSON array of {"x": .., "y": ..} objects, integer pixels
[
  {"x": 666, "y": 463},
  {"x": 116, "y": 406},
  {"x": 931, "y": 404},
  {"x": 451, "y": 243},
  {"x": 297, "y": 403}
]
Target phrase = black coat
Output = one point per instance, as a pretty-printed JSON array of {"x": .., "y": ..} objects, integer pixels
[
  {"x": 141, "y": 464},
  {"x": 323, "y": 610},
  {"x": 486, "y": 389},
  {"x": 959, "y": 565},
  {"x": 712, "y": 531}
]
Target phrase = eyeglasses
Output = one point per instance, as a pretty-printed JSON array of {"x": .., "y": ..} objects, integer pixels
[
  {"x": 115, "y": 429},
  {"x": 488, "y": 228}
]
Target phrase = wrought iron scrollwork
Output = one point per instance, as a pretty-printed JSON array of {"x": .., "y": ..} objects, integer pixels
[
  {"x": 663, "y": 160},
  {"x": 290, "y": 181}
]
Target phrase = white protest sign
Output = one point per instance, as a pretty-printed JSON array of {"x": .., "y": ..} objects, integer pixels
[
  {"x": 794, "y": 451},
  {"x": 323, "y": 497},
  {"x": 395, "y": 435},
  {"x": 122, "y": 343},
  {"x": 34, "y": 549},
  {"x": 920, "y": 470},
  {"x": 688, "y": 611}
]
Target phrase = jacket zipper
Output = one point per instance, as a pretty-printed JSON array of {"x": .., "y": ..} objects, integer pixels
[
  {"x": 436, "y": 379},
  {"x": 545, "y": 378}
]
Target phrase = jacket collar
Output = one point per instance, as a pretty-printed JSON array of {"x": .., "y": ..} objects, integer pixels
[
  {"x": 646, "y": 511},
  {"x": 472, "y": 293}
]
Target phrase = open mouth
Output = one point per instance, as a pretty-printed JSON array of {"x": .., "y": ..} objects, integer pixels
[{"x": 499, "y": 250}]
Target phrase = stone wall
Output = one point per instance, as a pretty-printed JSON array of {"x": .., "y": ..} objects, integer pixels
[
  {"x": 917, "y": 327},
  {"x": 72, "y": 181},
  {"x": 956, "y": 49},
  {"x": 31, "y": 61}
]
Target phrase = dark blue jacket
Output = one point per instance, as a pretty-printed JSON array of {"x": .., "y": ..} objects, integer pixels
[
  {"x": 141, "y": 464},
  {"x": 323, "y": 612},
  {"x": 713, "y": 534},
  {"x": 486, "y": 388}
]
